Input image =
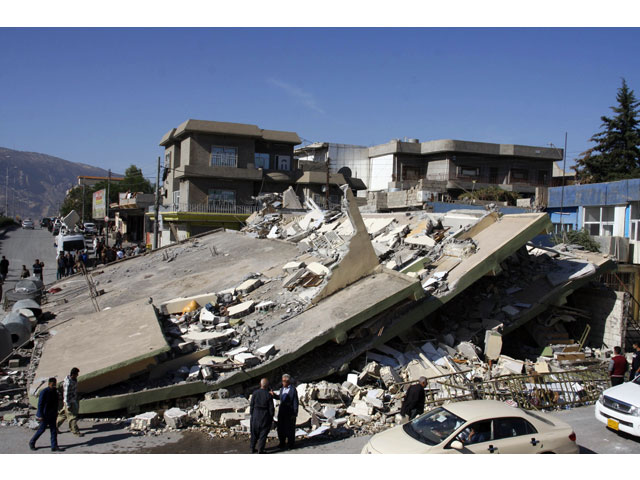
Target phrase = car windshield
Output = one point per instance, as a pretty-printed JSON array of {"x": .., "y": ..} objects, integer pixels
[
  {"x": 71, "y": 245},
  {"x": 433, "y": 427}
]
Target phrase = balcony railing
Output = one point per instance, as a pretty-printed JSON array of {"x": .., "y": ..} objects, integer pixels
[
  {"x": 214, "y": 207},
  {"x": 224, "y": 160}
]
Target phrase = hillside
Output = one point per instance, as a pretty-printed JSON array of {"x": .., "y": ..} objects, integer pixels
[{"x": 37, "y": 182}]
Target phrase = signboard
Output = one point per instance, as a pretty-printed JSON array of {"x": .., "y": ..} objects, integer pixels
[{"x": 99, "y": 209}]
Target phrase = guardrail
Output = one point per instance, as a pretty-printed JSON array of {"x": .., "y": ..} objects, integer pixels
[{"x": 214, "y": 208}]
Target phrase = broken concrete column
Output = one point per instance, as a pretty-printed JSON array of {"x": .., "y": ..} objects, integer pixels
[
  {"x": 246, "y": 359},
  {"x": 211, "y": 410},
  {"x": 370, "y": 372},
  {"x": 266, "y": 351},
  {"x": 248, "y": 286},
  {"x": 240, "y": 310},
  {"x": 145, "y": 421},
  {"x": 175, "y": 418},
  {"x": 318, "y": 269},
  {"x": 390, "y": 378}
]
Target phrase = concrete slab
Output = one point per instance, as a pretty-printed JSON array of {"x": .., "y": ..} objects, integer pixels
[{"x": 89, "y": 343}]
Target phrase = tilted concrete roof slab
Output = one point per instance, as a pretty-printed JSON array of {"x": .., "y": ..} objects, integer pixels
[{"x": 108, "y": 347}]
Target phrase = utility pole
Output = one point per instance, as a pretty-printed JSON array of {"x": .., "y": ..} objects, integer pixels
[
  {"x": 327, "y": 186},
  {"x": 154, "y": 243},
  {"x": 106, "y": 212},
  {"x": 564, "y": 172},
  {"x": 82, "y": 203}
]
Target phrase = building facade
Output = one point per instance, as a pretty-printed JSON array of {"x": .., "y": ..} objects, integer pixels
[{"x": 444, "y": 167}]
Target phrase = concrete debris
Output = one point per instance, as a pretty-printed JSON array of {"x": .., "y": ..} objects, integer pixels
[
  {"x": 176, "y": 418},
  {"x": 145, "y": 421},
  {"x": 213, "y": 409}
]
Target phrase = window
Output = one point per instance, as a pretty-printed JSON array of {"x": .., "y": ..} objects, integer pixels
[
  {"x": 283, "y": 162},
  {"x": 566, "y": 227},
  {"x": 519, "y": 175},
  {"x": 635, "y": 221},
  {"x": 511, "y": 427},
  {"x": 262, "y": 160},
  {"x": 476, "y": 433},
  {"x": 224, "y": 156},
  {"x": 176, "y": 198},
  {"x": 598, "y": 221},
  {"x": 469, "y": 171},
  {"x": 222, "y": 198},
  {"x": 167, "y": 160},
  {"x": 543, "y": 177}
]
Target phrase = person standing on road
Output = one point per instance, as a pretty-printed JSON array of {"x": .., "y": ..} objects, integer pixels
[
  {"x": 61, "y": 267},
  {"x": 413, "y": 404},
  {"x": 71, "y": 405},
  {"x": 261, "y": 412},
  {"x": 287, "y": 413},
  {"x": 635, "y": 363},
  {"x": 37, "y": 269},
  {"x": 46, "y": 415},
  {"x": 4, "y": 268},
  {"x": 25, "y": 272},
  {"x": 617, "y": 367},
  {"x": 118, "y": 239}
]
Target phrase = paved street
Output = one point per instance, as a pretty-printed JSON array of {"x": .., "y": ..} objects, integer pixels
[{"x": 22, "y": 247}]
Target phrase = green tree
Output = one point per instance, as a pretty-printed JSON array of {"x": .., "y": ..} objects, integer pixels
[
  {"x": 133, "y": 181},
  {"x": 616, "y": 154}
]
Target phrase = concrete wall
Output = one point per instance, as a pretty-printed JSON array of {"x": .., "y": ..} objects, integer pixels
[
  {"x": 354, "y": 157},
  {"x": 607, "y": 315},
  {"x": 381, "y": 172},
  {"x": 201, "y": 149}
]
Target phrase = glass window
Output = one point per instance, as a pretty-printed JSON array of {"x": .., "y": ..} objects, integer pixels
[
  {"x": 469, "y": 171},
  {"x": 176, "y": 198},
  {"x": 476, "y": 433},
  {"x": 592, "y": 214},
  {"x": 167, "y": 160},
  {"x": 599, "y": 221},
  {"x": 262, "y": 160},
  {"x": 283, "y": 162},
  {"x": 511, "y": 427},
  {"x": 608, "y": 214},
  {"x": 222, "y": 197},
  {"x": 635, "y": 221},
  {"x": 224, "y": 156},
  {"x": 433, "y": 427},
  {"x": 519, "y": 175}
]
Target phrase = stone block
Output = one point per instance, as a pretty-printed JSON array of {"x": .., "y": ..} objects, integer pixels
[
  {"x": 266, "y": 351},
  {"x": 390, "y": 377},
  {"x": 211, "y": 410},
  {"x": 325, "y": 391},
  {"x": 232, "y": 419},
  {"x": 207, "y": 373},
  {"x": 293, "y": 266},
  {"x": 240, "y": 310},
  {"x": 145, "y": 421},
  {"x": 371, "y": 371},
  {"x": 248, "y": 286},
  {"x": 265, "y": 306},
  {"x": 246, "y": 359},
  {"x": 349, "y": 388},
  {"x": 176, "y": 418},
  {"x": 318, "y": 269}
]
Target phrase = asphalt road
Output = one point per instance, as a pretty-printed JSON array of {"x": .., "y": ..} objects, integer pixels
[{"x": 22, "y": 247}]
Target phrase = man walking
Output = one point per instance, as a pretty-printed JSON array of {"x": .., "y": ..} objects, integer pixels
[
  {"x": 71, "y": 407},
  {"x": 261, "y": 412},
  {"x": 413, "y": 404},
  {"x": 37, "y": 269},
  {"x": 25, "y": 272},
  {"x": 4, "y": 268},
  {"x": 287, "y": 413},
  {"x": 617, "y": 367},
  {"x": 46, "y": 415}
]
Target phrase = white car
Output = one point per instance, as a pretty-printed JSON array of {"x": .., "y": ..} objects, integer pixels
[
  {"x": 619, "y": 407},
  {"x": 27, "y": 224},
  {"x": 477, "y": 426},
  {"x": 89, "y": 228}
]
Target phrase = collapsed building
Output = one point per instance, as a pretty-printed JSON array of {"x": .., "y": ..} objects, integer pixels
[{"x": 362, "y": 304}]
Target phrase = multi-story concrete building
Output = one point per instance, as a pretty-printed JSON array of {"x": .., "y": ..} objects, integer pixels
[
  {"x": 215, "y": 168},
  {"x": 443, "y": 166}
]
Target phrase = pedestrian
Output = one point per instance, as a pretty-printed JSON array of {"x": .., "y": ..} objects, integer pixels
[
  {"x": 71, "y": 406},
  {"x": 118, "y": 239},
  {"x": 4, "y": 268},
  {"x": 413, "y": 404},
  {"x": 261, "y": 411},
  {"x": 46, "y": 415},
  {"x": 617, "y": 367},
  {"x": 25, "y": 272},
  {"x": 68, "y": 264},
  {"x": 37, "y": 269},
  {"x": 635, "y": 362},
  {"x": 287, "y": 413},
  {"x": 61, "y": 266},
  {"x": 95, "y": 244}
]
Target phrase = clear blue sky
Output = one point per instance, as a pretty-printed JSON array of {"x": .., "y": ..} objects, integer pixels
[{"x": 106, "y": 96}]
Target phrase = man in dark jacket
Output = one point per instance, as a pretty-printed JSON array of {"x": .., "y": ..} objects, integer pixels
[
  {"x": 617, "y": 367},
  {"x": 37, "y": 269},
  {"x": 46, "y": 415},
  {"x": 287, "y": 413},
  {"x": 261, "y": 411},
  {"x": 413, "y": 404},
  {"x": 4, "y": 268}
]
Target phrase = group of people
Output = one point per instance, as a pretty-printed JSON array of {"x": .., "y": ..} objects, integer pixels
[
  {"x": 106, "y": 254},
  {"x": 618, "y": 365},
  {"x": 70, "y": 263},
  {"x": 50, "y": 416}
]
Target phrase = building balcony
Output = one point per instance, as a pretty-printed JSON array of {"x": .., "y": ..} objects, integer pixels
[
  {"x": 213, "y": 207},
  {"x": 228, "y": 172}
]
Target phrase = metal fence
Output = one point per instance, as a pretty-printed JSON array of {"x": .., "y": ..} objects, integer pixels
[
  {"x": 215, "y": 207},
  {"x": 532, "y": 392}
]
